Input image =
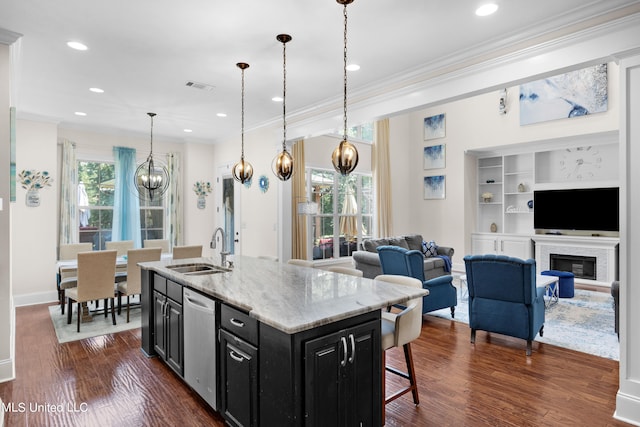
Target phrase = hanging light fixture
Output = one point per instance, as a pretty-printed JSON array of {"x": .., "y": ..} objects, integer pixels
[
  {"x": 242, "y": 171},
  {"x": 283, "y": 163},
  {"x": 151, "y": 178},
  {"x": 345, "y": 156}
]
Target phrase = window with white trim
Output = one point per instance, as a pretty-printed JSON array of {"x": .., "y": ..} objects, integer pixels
[{"x": 345, "y": 212}]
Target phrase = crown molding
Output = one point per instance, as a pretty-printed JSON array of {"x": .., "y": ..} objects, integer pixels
[
  {"x": 8, "y": 37},
  {"x": 433, "y": 85}
]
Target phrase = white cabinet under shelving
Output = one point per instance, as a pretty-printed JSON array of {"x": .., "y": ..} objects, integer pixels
[{"x": 502, "y": 244}]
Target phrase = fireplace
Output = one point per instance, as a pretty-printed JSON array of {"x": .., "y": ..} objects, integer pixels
[{"x": 583, "y": 267}]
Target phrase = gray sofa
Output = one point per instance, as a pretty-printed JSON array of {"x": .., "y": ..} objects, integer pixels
[{"x": 366, "y": 258}]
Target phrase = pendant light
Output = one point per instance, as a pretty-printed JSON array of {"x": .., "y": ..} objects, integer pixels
[
  {"x": 242, "y": 171},
  {"x": 151, "y": 179},
  {"x": 283, "y": 163},
  {"x": 345, "y": 156}
]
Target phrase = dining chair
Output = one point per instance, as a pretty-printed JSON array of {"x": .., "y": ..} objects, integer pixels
[
  {"x": 70, "y": 251},
  {"x": 398, "y": 330},
  {"x": 181, "y": 252},
  {"x": 66, "y": 275},
  {"x": 345, "y": 270},
  {"x": 122, "y": 246},
  {"x": 95, "y": 281},
  {"x": 133, "y": 283},
  {"x": 300, "y": 262},
  {"x": 157, "y": 243}
]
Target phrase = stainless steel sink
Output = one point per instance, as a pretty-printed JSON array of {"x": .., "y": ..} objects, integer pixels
[{"x": 197, "y": 269}]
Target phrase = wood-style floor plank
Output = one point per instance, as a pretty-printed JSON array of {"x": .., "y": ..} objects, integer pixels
[{"x": 491, "y": 383}]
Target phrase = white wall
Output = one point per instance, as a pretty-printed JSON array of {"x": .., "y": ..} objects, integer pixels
[
  {"x": 198, "y": 165},
  {"x": 7, "y": 318},
  {"x": 472, "y": 123},
  {"x": 34, "y": 229}
]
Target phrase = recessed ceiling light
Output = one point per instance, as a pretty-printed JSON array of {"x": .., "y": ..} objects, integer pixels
[
  {"x": 80, "y": 113},
  {"x": 487, "y": 9},
  {"x": 96, "y": 90},
  {"x": 221, "y": 114},
  {"x": 188, "y": 130},
  {"x": 77, "y": 46},
  {"x": 353, "y": 67},
  {"x": 277, "y": 99}
]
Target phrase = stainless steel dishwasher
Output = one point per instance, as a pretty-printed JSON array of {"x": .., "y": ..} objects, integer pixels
[{"x": 200, "y": 344}]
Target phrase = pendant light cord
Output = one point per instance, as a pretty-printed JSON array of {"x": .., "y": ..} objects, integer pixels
[
  {"x": 345, "y": 73},
  {"x": 242, "y": 118},
  {"x": 284, "y": 95}
]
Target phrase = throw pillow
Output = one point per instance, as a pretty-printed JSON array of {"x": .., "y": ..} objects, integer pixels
[{"x": 430, "y": 249}]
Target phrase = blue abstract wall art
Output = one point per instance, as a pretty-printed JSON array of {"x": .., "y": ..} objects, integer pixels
[
  {"x": 434, "y": 127},
  {"x": 573, "y": 94},
  {"x": 434, "y": 157},
  {"x": 434, "y": 187}
]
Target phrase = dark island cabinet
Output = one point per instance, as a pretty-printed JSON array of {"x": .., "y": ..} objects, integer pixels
[
  {"x": 168, "y": 339},
  {"x": 342, "y": 375},
  {"x": 238, "y": 367},
  {"x": 325, "y": 376}
]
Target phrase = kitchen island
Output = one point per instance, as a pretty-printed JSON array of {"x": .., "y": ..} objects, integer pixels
[{"x": 295, "y": 345}]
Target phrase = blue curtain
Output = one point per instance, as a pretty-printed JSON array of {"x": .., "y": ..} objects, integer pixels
[{"x": 126, "y": 206}]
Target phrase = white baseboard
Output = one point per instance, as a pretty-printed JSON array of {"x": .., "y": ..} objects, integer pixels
[
  {"x": 627, "y": 409},
  {"x": 35, "y": 298},
  {"x": 7, "y": 370}
]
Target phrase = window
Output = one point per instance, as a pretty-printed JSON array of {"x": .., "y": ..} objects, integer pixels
[
  {"x": 96, "y": 186},
  {"x": 96, "y": 183},
  {"x": 345, "y": 212}
]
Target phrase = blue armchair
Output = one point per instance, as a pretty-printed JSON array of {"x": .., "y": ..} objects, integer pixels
[
  {"x": 503, "y": 297},
  {"x": 400, "y": 261}
]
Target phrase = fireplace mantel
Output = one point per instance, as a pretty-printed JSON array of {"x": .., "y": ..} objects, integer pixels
[{"x": 604, "y": 249}]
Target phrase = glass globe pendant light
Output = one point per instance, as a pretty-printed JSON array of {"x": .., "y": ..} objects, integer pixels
[
  {"x": 242, "y": 171},
  {"x": 283, "y": 163},
  {"x": 151, "y": 179},
  {"x": 345, "y": 156}
]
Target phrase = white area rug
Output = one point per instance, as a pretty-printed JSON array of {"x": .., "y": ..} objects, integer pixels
[
  {"x": 99, "y": 326},
  {"x": 584, "y": 323}
]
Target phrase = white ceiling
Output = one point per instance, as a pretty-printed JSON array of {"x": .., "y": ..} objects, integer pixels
[{"x": 143, "y": 52}]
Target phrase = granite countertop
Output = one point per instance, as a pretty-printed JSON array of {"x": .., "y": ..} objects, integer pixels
[{"x": 288, "y": 297}]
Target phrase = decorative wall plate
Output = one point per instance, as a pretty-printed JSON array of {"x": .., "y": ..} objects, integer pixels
[{"x": 263, "y": 182}]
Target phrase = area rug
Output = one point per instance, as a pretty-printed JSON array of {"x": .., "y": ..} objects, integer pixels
[
  {"x": 99, "y": 326},
  {"x": 583, "y": 323}
]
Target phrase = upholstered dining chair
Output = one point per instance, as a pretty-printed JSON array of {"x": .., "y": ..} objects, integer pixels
[
  {"x": 182, "y": 252},
  {"x": 503, "y": 297},
  {"x": 398, "y": 330},
  {"x": 95, "y": 281},
  {"x": 300, "y": 262},
  {"x": 70, "y": 251},
  {"x": 133, "y": 284},
  {"x": 122, "y": 246},
  {"x": 157, "y": 243},
  {"x": 345, "y": 270},
  {"x": 67, "y": 276},
  {"x": 404, "y": 262}
]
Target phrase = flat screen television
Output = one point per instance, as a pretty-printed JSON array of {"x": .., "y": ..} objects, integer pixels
[{"x": 590, "y": 209}]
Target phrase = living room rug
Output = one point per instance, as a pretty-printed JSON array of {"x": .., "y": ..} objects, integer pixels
[
  {"x": 100, "y": 325},
  {"x": 583, "y": 323}
]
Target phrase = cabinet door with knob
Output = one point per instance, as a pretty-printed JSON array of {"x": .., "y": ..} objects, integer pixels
[
  {"x": 342, "y": 372},
  {"x": 502, "y": 244}
]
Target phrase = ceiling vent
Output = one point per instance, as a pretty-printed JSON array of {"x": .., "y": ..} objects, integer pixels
[{"x": 200, "y": 86}]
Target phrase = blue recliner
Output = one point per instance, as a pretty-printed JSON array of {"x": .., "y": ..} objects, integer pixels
[
  {"x": 404, "y": 262},
  {"x": 503, "y": 297}
]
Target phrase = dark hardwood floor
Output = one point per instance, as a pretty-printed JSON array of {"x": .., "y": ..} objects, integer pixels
[{"x": 107, "y": 381}]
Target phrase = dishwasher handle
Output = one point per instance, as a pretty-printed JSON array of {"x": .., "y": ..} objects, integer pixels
[{"x": 199, "y": 306}]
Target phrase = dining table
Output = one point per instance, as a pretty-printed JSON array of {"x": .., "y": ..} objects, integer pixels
[{"x": 68, "y": 268}]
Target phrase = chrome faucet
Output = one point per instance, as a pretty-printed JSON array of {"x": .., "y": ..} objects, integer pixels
[{"x": 223, "y": 251}]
